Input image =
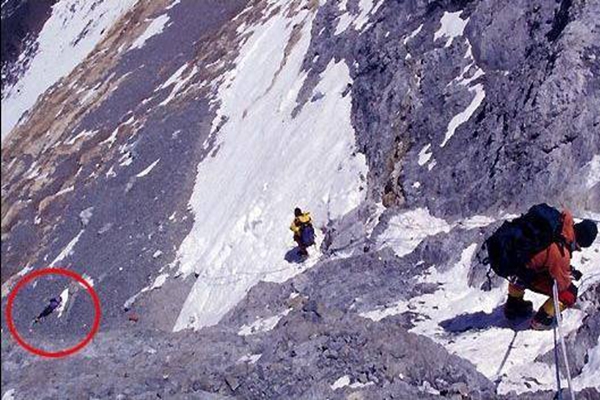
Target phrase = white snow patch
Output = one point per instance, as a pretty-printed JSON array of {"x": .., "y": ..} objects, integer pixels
[
  {"x": 65, "y": 191},
  {"x": 126, "y": 159},
  {"x": 147, "y": 170},
  {"x": 250, "y": 358},
  {"x": 173, "y": 4},
  {"x": 464, "y": 116},
  {"x": 179, "y": 83},
  {"x": 416, "y": 185},
  {"x": 25, "y": 271},
  {"x": 341, "y": 382},
  {"x": 112, "y": 138},
  {"x": 65, "y": 297},
  {"x": 34, "y": 171},
  {"x": 590, "y": 375},
  {"x": 462, "y": 79},
  {"x": 111, "y": 172},
  {"x": 173, "y": 79},
  {"x": 9, "y": 395},
  {"x": 594, "y": 172},
  {"x": 587, "y": 214},
  {"x": 476, "y": 221},
  {"x": 359, "y": 385},
  {"x": 262, "y": 324},
  {"x": 367, "y": 8},
  {"x": 425, "y": 155},
  {"x": 67, "y": 250},
  {"x": 157, "y": 254},
  {"x": 374, "y": 218},
  {"x": 156, "y": 27},
  {"x": 241, "y": 231},
  {"x": 412, "y": 35},
  {"x": 86, "y": 215},
  {"x": 158, "y": 282},
  {"x": 82, "y": 134},
  {"x": 378, "y": 314},
  {"x": 406, "y": 231},
  {"x": 477, "y": 74},
  {"x": 89, "y": 95},
  {"x": 451, "y": 26},
  {"x": 344, "y": 22},
  {"x": 68, "y": 36}
]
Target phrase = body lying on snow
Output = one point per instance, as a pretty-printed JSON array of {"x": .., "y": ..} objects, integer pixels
[
  {"x": 533, "y": 252},
  {"x": 53, "y": 304}
]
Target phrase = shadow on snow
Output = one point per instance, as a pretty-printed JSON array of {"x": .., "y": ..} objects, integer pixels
[
  {"x": 482, "y": 321},
  {"x": 294, "y": 256}
]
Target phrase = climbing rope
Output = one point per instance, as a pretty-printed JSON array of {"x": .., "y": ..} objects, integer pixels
[{"x": 558, "y": 326}]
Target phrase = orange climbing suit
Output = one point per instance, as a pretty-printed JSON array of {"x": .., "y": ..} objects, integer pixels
[{"x": 552, "y": 263}]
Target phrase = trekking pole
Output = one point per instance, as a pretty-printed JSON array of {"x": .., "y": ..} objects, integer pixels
[
  {"x": 561, "y": 337},
  {"x": 556, "y": 363},
  {"x": 508, "y": 350}
]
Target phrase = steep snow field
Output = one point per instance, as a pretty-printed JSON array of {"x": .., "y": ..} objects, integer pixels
[
  {"x": 452, "y": 26},
  {"x": 266, "y": 163},
  {"x": 155, "y": 28},
  {"x": 470, "y": 323},
  {"x": 70, "y": 34}
]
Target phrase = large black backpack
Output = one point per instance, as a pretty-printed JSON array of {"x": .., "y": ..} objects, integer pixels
[
  {"x": 307, "y": 235},
  {"x": 513, "y": 245}
]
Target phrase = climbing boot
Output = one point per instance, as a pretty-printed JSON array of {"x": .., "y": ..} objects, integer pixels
[
  {"x": 516, "y": 307},
  {"x": 542, "y": 321},
  {"x": 302, "y": 251}
]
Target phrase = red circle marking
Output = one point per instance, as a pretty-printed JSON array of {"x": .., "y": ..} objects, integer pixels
[{"x": 52, "y": 271}]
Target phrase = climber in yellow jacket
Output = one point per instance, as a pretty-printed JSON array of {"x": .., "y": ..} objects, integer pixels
[{"x": 304, "y": 233}]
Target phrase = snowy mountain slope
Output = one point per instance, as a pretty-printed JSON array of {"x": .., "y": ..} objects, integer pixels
[
  {"x": 71, "y": 32},
  {"x": 95, "y": 159},
  {"x": 22, "y": 21},
  {"x": 242, "y": 209},
  {"x": 166, "y": 166}
]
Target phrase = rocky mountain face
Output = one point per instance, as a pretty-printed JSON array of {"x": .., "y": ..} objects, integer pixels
[{"x": 158, "y": 149}]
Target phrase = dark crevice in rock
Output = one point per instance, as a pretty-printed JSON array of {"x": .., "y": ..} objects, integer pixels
[{"x": 561, "y": 19}]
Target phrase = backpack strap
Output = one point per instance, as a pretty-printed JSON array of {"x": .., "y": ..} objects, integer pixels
[{"x": 561, "y": 241}]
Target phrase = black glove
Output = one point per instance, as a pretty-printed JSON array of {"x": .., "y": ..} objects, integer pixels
[{"x": 575, "y": 274}]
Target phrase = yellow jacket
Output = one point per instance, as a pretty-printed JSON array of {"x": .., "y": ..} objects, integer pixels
[{"x": 299, "y": 221}]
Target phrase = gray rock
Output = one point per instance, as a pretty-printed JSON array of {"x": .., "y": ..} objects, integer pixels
[{"x": 232, "y": 382}]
